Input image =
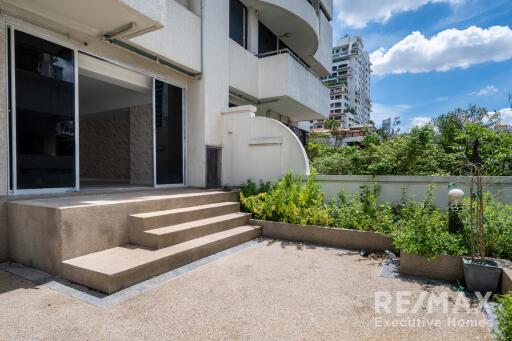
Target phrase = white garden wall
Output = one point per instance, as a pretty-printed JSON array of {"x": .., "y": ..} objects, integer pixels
[{"x": 393, "y": 187}]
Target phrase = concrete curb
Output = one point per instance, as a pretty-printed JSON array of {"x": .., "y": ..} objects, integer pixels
[
  {"x": 334, "y": 237},
  {"x": 445, "y": 268}
]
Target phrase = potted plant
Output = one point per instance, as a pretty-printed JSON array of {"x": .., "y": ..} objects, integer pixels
[{"x": 481, "y": 274}]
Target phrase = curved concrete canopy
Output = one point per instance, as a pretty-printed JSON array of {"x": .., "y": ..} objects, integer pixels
[
  {"x": 294, "y": 21},
  {"x": 94, "y": 17}
]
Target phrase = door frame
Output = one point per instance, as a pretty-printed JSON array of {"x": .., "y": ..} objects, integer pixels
[
  {"x": 12, "y": 144},
  {"x": 184, "y": 136},
  {"x": 51, "y": 36}
]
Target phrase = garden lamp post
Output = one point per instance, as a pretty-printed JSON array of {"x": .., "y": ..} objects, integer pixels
[
  {"x": 455, "y": 201},
  {"x": 455, "y": 195}
]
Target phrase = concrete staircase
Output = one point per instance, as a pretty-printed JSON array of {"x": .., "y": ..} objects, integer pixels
[{"x": 160, "y": 241}]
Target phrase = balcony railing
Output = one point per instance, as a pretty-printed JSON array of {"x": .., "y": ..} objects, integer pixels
[
  {"x": 291, "y": 53},
  {"x": 301, "y": 134}
]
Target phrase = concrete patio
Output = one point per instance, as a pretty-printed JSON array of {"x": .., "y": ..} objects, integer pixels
[{"x": 272, "y": 290}]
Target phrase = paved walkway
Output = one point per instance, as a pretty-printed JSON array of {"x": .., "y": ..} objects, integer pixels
[{"x": 274, "y": 290}]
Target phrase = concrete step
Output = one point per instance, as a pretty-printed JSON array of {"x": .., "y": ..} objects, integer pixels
[
  {"x": 175, "y": 234},
  {"x": 120, "y": 267},
  {"x": 147, "y": 221}
]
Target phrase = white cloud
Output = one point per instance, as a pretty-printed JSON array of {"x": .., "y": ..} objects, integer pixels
[
  {"x": 488, "y": 90},
  {"x": 506, "y": 116},
  {"x": 446, "y": 50},
  {"x": 358, "y": 13},
  {"x": 420, "y": 121}
]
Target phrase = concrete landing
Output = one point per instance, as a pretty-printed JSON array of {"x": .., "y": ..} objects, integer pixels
[{"x": 77, "y": 199}]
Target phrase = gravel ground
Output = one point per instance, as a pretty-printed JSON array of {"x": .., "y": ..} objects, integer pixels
[{"x": 274, "y": 290}]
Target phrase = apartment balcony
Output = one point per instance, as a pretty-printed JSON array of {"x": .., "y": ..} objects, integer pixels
[
  {"x": 297, "y": 23},
  {"x": 341, "y": 57},
  {"x": 93, "y": 17},
  {"x": 279, "y": 82},
  {"x": 287, "y": 86}
]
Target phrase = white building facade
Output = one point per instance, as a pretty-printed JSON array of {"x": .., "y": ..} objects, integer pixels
[
  {"x": 135, "y": 91},
  {"x": 156, "y": 93}
]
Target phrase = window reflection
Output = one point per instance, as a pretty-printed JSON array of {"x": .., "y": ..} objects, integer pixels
[
  {"x": 169, "y": 133},
  {"x": 45, "y": 113}
]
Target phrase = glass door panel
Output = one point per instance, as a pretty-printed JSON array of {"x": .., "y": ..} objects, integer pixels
[
  {"x": 44, "y": 114},
  {"x": 168, "y": 133}
]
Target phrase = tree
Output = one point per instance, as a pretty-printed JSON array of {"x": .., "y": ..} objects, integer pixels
[
  {"x": 472, "y": 114},
  {"x": 450, "y": 124},
  {"x": 424, "y": 150},
  {"x": 351, "y": 110},
  {"x": 331, "y": 124}
]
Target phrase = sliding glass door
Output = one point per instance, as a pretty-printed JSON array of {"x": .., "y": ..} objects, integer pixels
[
  {"x": 42, "y": 107},
  {"x": 169, "y": 126}
]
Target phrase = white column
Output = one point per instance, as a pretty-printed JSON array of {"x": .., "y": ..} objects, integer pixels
[{"x": 252, "y": 30}]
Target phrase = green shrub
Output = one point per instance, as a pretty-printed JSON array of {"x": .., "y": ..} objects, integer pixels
[
  {"x": 250, "y": 188},
  {"x": 343, "y": 160},
  {"x": 497, "y": 227},
  {"x": 315, "y": 149},
  {"x": 504, "y": 318},
  {"x": 498, "y": 221},
  {"x": 422, "y": 229},
  {"x": 418, "y": 228},
  {"x": 362, "y": 211},
  {"x": 290, "y": 201}
]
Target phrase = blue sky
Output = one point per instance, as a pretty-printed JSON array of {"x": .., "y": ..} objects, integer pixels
[{"x": 420, "y": 75}]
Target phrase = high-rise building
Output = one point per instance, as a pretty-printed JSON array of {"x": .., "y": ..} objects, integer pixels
[
  {"x": 349, "y": 84},
  {"x": 386, "y": 126}
]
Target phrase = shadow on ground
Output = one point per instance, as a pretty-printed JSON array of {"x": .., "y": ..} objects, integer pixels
[
  {"x": 10, "y": 282},
  {"x": 297, "y": 245}
]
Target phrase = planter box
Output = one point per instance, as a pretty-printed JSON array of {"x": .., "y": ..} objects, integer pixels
[
  {"x": 446, "y": 268},
  {"x": 482, "y": 275},
  {"x": 327, "y": 236}
]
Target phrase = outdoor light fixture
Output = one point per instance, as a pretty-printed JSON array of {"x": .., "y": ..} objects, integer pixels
[
  {"x": 455, "y": 200},
  {"x": 455, "y": 195}
]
